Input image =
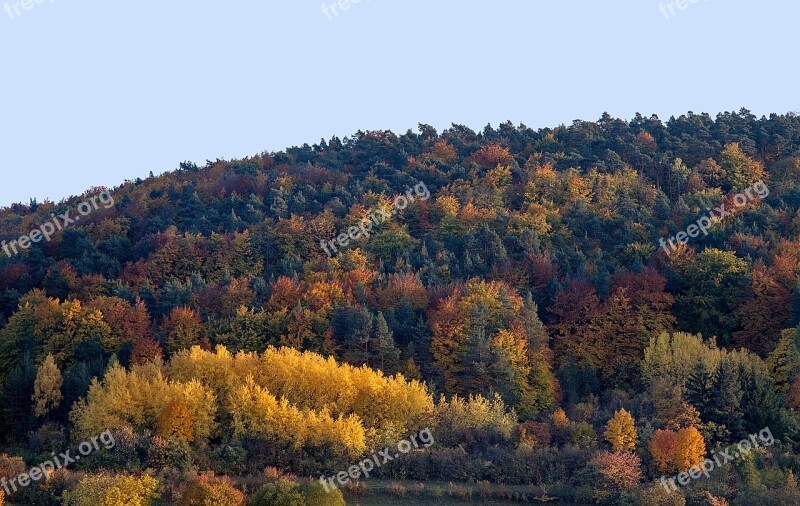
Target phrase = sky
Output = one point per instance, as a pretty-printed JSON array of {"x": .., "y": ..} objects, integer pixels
[{"x": 94, "y": 93}]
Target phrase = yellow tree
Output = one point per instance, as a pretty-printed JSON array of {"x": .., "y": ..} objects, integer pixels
[
  {"x": 175, "y": 421},
  {"x": 621, "y": 432},
  {"x": 690, "y": 448},
  {"x": 47, "y": 387},
  {"x": 113, "y": 490}
]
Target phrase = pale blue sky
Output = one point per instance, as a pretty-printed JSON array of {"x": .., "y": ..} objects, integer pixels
[{"x": 96, "y": 92}]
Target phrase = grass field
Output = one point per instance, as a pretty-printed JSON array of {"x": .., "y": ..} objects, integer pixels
[{"x": 412, "y": 493}]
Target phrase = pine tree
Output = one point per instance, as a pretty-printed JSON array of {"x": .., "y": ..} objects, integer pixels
[
  {"x": 698, "y": 388},
  {"x": 475, "y": 364},
  {"x": 760, "y": 401},
  {"x": 385, "y": 354},
  {"x": 726, "y": 396},
  {"x": 16, "y": 397},
  {"x": 784, "y": 362}
]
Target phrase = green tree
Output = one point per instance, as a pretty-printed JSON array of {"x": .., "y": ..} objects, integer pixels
[
  {"x": 386, "y": 356},
  {"x": 784, "y": 361},
  {"x": 698, "y": 388},
  {"x": 740, "y": 170},
  {"x": 726, "y": 397},
  {"x": 716, "y": 283}
]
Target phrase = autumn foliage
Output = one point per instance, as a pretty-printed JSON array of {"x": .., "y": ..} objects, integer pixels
[{"x": 677, "y": 451}]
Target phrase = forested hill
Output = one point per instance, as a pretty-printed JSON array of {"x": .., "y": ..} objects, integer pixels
[{"x": 538, "y": 264}]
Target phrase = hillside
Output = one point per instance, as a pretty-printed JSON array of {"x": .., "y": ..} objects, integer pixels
[{"x": 570, "y": 312}]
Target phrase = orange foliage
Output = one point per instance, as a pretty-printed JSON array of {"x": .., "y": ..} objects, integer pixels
[
  {"x": 677, "y": 451},
  {"x": 286, "y": 293},
  {"x": 183, "y": 328},
  {"x": 175, "y": 421},
  {"x": 491, "y": 156},
  {"x": 406, "y": 287}
]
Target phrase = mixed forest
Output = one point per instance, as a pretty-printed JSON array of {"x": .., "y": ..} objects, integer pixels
[{"x": 526, "y": 313}]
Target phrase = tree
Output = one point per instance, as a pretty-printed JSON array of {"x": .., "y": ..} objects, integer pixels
[
  {"x": 47, "y": 387},
  {"x": 17, "y": 398},
  {"x": 145, "y": 350},
  {"x": 715, "y": 284},
  {"x": 690, "y": 448},
  {"x": 726, "y": 397},
  {"x": 386, "y": 356},
  {"x": 763, "y": 317},
  {"x": 784, "y": 361},
  {"x": 621, "y": 432},
  {"x": 698, "y": 388},
  {"x": 175, "y": 421},
  {"x": 113, "y": 490},
  {"x": 128, "y": 323},
  {"x": 740, "y": 170},
  {"x": 677, "y": 451},
  {"x": 183, "y": 328},
  {"x": 760, "y": 402},
  {"x": 620, "y": 470}
]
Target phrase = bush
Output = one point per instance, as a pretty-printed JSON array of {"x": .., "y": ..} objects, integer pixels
[
  {"x": 317, "y": 496},
  {"x": 113, "y": 490},
  {"x": 396, "y": 490},
  {"x": 618, "y": 470},
  {"x": 475, "y": 421},
  {"x": 229, "y": 458},
  {"x": 356, "y": 488},
  {"x": 169, "y": 453},
  {"x": 11, "y": 467},
  {"x": 280, "y": 493},
  {"x": 657, "y": 496},
  {"x": 207, "y": 490}
]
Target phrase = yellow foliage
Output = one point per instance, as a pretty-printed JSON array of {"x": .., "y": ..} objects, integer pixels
[
  {"x": 299, "y": 398},
  {"x": 677, "y": 451},
  {"x": 113, "y": 490},
  {"x": 175, "y": 421},
  {"x": 258, "y": 412},
  {"x": 691, "y": 448},
  {"x": 621, "y": 432},
  {"x": 135, "y": 399},
  {"x": 47, "y": 387},
  {"x": 560, "y": 418},
  {"x": 476, "y": 412},
  {"x": 312, "y": 382}
]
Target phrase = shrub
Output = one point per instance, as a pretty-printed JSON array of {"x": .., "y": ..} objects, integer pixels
[
  {"x": 229, "y": 458},
  {"x": 316, "y": 495},
  {"x": 165, "y": 453},
  {"x": 620, "y": 470},
  {"x": 207, "y": 490},
  {"x": 473, "y": 421},
  {"x": 460, "y": 492},
  {"x": 113, "y": 490},
  {"x": 396, "y": 490},
  {"x": 274, "y": 474},
  {"x": 11, "y": 467},
  {"x": 657, "y": 496},
  {"x": 356, "y": 488},
  {"x": 280, "y": 493}
]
